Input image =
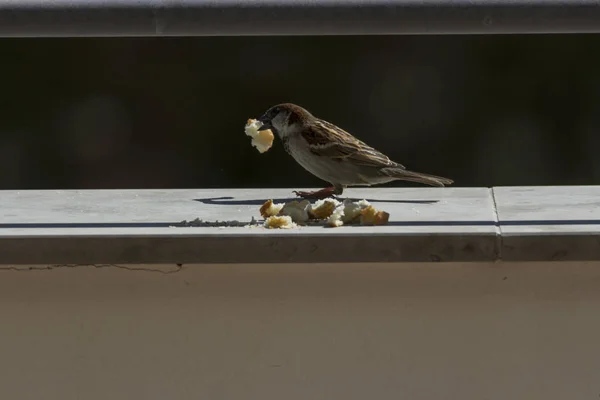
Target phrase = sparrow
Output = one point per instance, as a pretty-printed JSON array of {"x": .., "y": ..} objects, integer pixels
[{"x": 334, "y": 155}]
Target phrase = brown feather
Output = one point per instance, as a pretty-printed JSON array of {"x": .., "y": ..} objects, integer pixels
[
  {"x": 419, "y": 177},
  {"x": 344, "y": 146}
]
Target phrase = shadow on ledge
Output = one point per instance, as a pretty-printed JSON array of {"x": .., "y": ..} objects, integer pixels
[{"x": 230, "y": 201}]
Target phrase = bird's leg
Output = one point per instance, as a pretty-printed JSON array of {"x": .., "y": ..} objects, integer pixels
[
  {"x": 331, "y": 191},
  {"x": 338, "y": 190},
  {"x": 317, "y": 194}
]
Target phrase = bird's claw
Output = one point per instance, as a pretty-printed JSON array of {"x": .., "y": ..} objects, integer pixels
[{"x": 316, "y": 195}]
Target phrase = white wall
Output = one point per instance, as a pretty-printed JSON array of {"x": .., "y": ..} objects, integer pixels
[{"x": 257, "y": 332}]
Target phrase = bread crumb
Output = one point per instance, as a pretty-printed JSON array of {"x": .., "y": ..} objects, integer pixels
[
  {"x": 328, "y": 211},
  {"x": 372, "y": 216},
  {"x": 322, "y": 209},
  {"x": 382, "y": 218},
  {"x": 270, "y": 209},
  {"x": 335, "y": 219},
  {"x": 352, "y": 210},
  {"x": 297, "y": 210},
  {"x": 262, "y": 140},
  {"x": 279, "y": 222}
]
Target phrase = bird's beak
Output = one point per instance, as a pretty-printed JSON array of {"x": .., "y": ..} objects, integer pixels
[{"x": 266, "y": 124}]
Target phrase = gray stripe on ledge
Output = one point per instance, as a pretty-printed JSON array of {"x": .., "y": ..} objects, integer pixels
[{"x": 60, "y": 18}]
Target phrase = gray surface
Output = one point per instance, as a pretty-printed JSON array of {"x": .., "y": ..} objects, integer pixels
[
  {"x": 293, "y": 17},
  {"x": 136, "y": 226},
  {"x": 426, "y": 224},
  {"x": 549, "y": 223}
]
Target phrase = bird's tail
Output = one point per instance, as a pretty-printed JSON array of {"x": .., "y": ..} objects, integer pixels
[{"x": 405, "y": 175}]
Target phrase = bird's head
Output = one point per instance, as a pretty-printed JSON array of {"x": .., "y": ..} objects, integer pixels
[{"x": 284, "y": 119}]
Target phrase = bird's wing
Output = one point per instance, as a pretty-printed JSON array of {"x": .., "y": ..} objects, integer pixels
[{"x": 327, "y": 140}]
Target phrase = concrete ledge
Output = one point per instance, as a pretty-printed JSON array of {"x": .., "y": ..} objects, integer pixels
[
  {"x": 426, "y": 224},
  {"x": 57, "y": 18},
  {"x": 549, "y": 223}
]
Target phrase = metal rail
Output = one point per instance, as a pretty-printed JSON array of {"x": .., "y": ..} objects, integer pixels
[{"x": 59, "y": 18}]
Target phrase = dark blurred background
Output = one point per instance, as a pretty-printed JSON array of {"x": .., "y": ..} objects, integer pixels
[{"x": 170, "y": 112}]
